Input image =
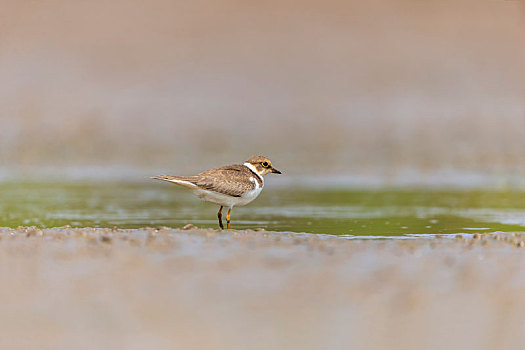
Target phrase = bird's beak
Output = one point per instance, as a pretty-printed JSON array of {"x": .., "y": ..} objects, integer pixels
[{"x": 275, "y": 171}]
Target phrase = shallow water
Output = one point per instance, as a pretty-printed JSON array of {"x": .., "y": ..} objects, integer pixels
[{"x": 347, "y": 212}]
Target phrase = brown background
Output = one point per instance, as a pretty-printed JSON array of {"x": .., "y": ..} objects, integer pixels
[{"x": 334, "y": 87}]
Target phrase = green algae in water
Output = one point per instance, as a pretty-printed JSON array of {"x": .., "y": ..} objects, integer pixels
[{"x": 341, "y": 212}]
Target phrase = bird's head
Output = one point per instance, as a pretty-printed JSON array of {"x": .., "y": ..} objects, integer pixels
[{"x": 263, "y": 165}]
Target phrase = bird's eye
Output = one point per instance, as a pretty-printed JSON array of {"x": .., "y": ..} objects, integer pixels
[{"x": 265, "y": 164}]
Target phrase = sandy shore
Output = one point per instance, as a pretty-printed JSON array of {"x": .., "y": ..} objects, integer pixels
[{"x": 203, "y": 289}]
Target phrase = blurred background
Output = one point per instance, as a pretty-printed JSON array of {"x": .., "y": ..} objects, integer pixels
[{"x": 388, "y": 89}]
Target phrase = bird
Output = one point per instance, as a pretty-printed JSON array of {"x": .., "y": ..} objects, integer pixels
[{"x": 227, "y": 186}]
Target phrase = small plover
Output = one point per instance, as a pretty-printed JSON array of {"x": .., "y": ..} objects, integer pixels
[{"x": 227, "y": 186}]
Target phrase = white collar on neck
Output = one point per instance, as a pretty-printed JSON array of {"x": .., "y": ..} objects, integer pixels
[{"x": 252, "y": 168}]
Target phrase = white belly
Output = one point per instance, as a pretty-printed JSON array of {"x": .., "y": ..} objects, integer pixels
[
  {"x": 225, "y": 200},
  {"x": 250, "y": 196}
]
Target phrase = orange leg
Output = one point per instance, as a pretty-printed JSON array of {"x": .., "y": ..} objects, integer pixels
[
  {"x": 219, "y": 215},
  {"x": 228, "y": 218}
]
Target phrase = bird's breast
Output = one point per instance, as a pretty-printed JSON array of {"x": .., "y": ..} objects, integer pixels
[{"x": 250, "y": 195}]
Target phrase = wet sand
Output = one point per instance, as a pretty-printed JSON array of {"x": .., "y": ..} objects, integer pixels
[{"x": 166, "y": 288}]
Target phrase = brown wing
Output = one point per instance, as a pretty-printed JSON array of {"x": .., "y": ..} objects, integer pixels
[{"x": 232, "y": 180}]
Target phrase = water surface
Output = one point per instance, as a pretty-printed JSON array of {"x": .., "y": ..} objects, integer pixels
[{"x": 351, "y": 212}]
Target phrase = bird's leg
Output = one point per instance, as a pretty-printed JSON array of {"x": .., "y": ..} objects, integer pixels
[
  {"x": 219, "y": 215},
  {"x": 228, "y": 218}
]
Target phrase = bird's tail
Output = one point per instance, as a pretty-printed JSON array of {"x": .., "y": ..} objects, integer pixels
[
  {"x": 179, "y": 180},
  {"x": 166, "y": 178}
]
